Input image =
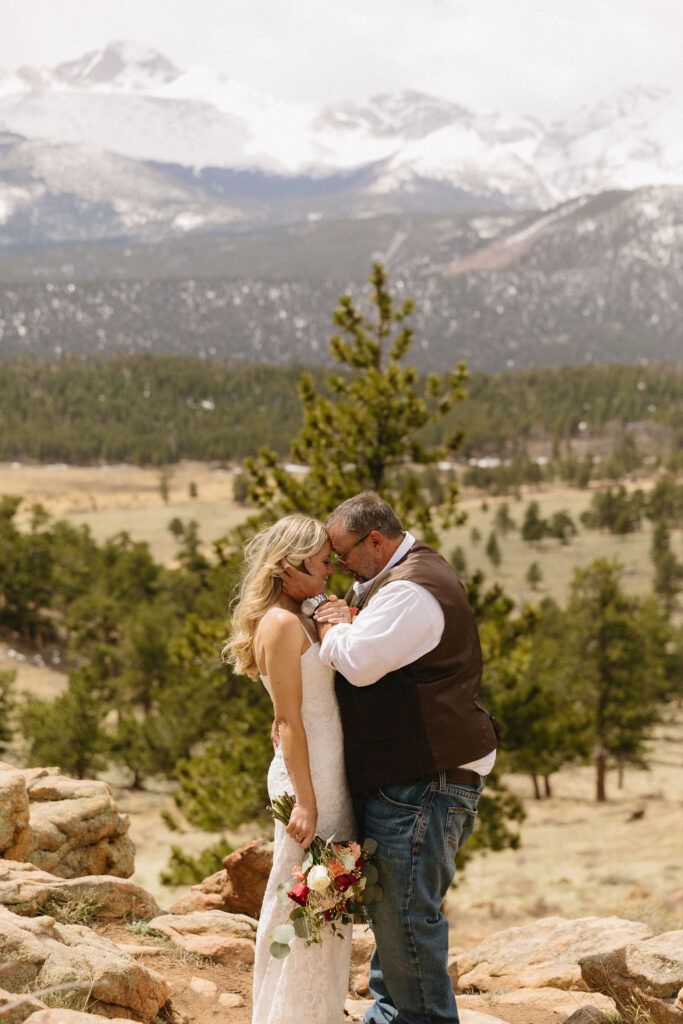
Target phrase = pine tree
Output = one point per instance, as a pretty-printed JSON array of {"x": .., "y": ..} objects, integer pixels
[
  {"x": 561, "y": 526},
  {"x": 668, "y": 578},
  {"x": 533, "y": 528},
  {"x": 493, "y": 550},
  {"x": 458, "y": 560},
  {"x": 545, "y": 724},
  {"x": 615, "y": 662},
  {"x": 68, "y": 731},
  {"x": 365, "y": 434},
  {"x": 7, "y": 705},
  {"x": 534, "y": 575},
  {"x": 503, "y": 521}
]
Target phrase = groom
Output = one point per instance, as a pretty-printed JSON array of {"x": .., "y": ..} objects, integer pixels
[{"x": 418, "y": 741}]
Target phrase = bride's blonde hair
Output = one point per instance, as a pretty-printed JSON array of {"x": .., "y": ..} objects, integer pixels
[{"x": 294, "y": 537}]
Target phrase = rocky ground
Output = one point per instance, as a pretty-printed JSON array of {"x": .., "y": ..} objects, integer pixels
[{"x": 105, "y": 943}]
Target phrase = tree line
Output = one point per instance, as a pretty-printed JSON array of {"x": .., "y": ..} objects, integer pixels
[{"x": 153, "y": 410}]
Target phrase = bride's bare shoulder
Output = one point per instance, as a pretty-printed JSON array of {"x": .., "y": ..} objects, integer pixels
[{"x": 279, "y": 624}]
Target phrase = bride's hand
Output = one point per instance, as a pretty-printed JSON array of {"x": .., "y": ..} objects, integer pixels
[{"x": 302, "y": 824}]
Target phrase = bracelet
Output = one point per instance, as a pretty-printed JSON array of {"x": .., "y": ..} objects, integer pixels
[{"x": 310, "y": 807}]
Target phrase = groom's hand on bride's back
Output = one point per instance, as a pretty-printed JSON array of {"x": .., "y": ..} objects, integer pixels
[
  {"x": 299, "y": 585},
  {"x": 275, "y": 734}
]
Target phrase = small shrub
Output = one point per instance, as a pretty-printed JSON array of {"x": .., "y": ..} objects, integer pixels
[{"x": 182, "y": 869}]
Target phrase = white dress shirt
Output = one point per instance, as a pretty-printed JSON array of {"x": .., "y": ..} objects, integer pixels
[{"x": 400, "y": 623}]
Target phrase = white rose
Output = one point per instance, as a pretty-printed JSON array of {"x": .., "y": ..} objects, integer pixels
[
  {"x": 318, "y": 878},
  {"x": 349, "y": 861}
]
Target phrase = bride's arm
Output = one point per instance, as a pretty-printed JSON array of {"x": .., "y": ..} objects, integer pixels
[{"x": 281, "y": 636}]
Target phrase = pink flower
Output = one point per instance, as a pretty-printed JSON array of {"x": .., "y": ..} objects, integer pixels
[
  {"x": 335, "y": 867},
  {"x": 298, "y": 873},
  {"x": 299, "y": 893}
]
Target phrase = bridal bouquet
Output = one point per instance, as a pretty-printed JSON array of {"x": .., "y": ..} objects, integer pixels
[{"x": 334, "y": 885}]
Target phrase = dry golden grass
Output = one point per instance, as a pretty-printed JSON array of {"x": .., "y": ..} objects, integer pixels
[
  {"x": 557, "y": 561},
  {"x": 109, "y": 499},
  {"x": 579, "y": 858}
]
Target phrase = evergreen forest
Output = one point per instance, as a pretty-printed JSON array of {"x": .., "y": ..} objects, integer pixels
[{"x": 154, "y": 410}]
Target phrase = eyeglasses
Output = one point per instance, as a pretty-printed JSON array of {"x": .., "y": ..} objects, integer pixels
[{"x": 345, "y": 555}]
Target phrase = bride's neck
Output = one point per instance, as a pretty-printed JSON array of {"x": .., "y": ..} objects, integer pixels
[{"x": 289, "y": 603}]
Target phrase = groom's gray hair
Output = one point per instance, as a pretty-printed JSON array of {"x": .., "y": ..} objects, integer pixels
[{"x": 365, "y": 512}]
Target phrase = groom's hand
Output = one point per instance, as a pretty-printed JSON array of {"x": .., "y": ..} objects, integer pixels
[{"x": 299, "y": 585}]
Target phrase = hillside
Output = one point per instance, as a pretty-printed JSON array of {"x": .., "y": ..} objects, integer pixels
[{"x": 593, "y": 280}]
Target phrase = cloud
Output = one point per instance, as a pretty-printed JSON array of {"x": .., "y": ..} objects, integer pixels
[{"x": 536, "y": 56}]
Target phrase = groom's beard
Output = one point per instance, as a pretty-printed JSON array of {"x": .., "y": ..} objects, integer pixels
[{"x": 364, "y": 573}]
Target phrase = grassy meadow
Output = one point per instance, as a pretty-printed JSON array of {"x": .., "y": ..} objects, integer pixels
[{"x": 109, "y": 499}]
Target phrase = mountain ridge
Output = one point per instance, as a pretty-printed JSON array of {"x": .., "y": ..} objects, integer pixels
[
  {"x": 594, "y": 280},
  {"x": 405, "y": 151}
]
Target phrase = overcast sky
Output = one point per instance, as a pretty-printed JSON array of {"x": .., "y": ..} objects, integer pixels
[{"x": 542, "y": 57}]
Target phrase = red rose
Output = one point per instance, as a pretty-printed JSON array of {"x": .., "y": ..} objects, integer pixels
[
  {"x": 299, "y": 893},
  {"x": 360, "y": 864},
  {"x": 342, "y": 882}
]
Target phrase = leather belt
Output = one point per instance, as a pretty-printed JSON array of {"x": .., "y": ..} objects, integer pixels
[{"x": 461, "y": 776}]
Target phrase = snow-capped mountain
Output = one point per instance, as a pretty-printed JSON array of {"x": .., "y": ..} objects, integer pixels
[
  {"x": 220, "y": 152},
  {"x": 125, "y": 65}
]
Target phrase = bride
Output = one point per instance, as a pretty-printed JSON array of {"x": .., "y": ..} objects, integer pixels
[{"x": 271, "y": 638}]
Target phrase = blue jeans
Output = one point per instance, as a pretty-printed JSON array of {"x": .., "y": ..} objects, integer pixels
[{"x": 419, "y": 827}]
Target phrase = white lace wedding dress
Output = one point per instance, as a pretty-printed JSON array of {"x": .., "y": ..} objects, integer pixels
[{"x": 309, "y": 986}]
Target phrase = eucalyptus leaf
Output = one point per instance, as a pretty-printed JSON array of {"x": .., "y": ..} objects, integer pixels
[
  {"x": 371, "y": 874},
  {"x": 301, "y": 929},
  {"x": 279, "y": 950},
  {"x": 370, "y": 846},
  {"x": 307, "y": 861},
  {"x": 369, "y": 894},
  {"x": 281, "y": 893},
  {"x": 379, "y": 895},
  {"x": 283, "y": 933}
]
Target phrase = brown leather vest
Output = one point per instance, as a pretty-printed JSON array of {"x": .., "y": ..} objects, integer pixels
[{"x": 428, "y": 715}]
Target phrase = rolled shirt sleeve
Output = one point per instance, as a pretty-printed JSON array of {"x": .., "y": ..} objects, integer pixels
[{"x": 400, "y": 624}]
